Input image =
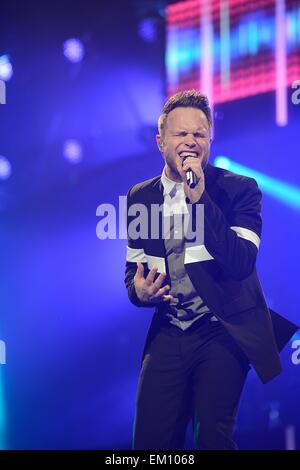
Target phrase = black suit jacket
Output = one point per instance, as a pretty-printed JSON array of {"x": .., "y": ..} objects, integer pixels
[{"x": 222, "y": 270}]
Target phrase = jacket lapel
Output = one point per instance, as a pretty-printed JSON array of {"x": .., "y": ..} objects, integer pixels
[{"x": 154, "y": 246}]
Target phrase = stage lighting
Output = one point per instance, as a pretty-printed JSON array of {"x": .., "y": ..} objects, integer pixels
[
  {"x": 148, "y": 30},
  {"x": 222, "y": 162},
  {"x": 280, "y": 190},
  {"x": 73, "y": 50},
  {"x": 6, "y": 69},
  {"x": 232, "y": 49},
  {"x": 5, "y": 168},
  {"x": 274, "y": 414},
  {"x": 72, "y": 151}
]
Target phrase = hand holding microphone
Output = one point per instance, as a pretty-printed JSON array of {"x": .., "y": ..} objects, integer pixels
[
  {"x": 192, "y": 176},
  {"x": 191, "y": 179}
]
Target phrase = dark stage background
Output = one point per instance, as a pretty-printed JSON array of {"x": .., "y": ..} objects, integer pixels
[{"x": 73, "y": 340}]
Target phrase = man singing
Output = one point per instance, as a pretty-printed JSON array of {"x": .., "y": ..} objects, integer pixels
[{"x": 211, "y": 321}]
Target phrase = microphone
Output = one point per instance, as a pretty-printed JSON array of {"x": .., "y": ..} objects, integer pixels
[{"x": 190, "y": 177}]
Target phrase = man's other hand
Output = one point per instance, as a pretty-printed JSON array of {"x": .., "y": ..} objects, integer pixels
[{"x": 147, "y": 289}]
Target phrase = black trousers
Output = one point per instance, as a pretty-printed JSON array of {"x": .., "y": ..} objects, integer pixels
[{"x": 195, "y": 374}]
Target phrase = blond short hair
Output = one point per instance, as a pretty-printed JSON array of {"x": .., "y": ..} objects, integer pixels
[{"x": 185, "y": 99}]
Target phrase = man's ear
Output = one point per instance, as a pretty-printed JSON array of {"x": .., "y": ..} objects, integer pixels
[{"x": 159, "y": 142}]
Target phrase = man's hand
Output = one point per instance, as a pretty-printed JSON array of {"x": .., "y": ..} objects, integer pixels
[
  {"x": 194, "y": 164},
  {"x": 149, "y": 291}
]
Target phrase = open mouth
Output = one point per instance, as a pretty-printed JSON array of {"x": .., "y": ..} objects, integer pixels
[{"x": 186, "y": 153}]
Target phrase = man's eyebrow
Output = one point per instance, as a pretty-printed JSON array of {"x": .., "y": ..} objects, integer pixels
[{"x": 203, "y": 129}]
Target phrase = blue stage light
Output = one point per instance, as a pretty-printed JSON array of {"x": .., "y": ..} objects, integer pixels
[
  {"x": 6, "y": 69},
  {"x": 73, "y": 50},
  {"x": 72, "y": 151},
  {"x": 5, "y": 168},
  {"x": 148, "y": 30},
  {"x": 280, "y": 190}
]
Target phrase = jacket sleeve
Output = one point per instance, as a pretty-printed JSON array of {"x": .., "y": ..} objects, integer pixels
[
  {"x": 135, "y": 254},
  {"x": 233, "y": 240}
]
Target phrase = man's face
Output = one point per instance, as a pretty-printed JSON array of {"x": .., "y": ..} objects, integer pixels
[{"x": 187, "y": 132}]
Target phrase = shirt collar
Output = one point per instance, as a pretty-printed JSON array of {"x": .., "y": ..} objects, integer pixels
[{"x": 168, "y": 184}]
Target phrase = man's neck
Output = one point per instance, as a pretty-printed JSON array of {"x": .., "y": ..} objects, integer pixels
[{"x": 172, "y": 176}]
